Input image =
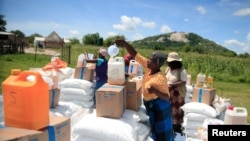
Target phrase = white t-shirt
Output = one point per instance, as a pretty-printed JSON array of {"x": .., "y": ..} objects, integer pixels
[{"x": 172, "y": 76}]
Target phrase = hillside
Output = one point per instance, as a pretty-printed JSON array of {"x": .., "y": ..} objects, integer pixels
[{"x": 186, "y": 42}]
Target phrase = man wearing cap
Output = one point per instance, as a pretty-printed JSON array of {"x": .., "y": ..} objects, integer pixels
[{"x": 177, "y": 77}]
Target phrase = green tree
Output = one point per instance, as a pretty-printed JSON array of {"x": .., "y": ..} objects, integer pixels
[
  {"x": 3, "y": 23},
  {"x": 74, "y": 41},
  {"x": 111, "y": 39},
  {"x": 90, "y": 39},
  {"x": 32, "y": 37},
  {"x": 18, "y": 33}
]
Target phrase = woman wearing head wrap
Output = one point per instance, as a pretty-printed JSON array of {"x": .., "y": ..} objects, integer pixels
[
  {"x": 177, "y": 77},
  {"x": 155, "y": 93},
  {"x": 101, "y": 68}
]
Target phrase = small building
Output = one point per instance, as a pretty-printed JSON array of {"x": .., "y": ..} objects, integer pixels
[
  {"x": 53, "y": 40},
  {"x": 10, "y": 43},
  {"x": 39, "y": 42}
]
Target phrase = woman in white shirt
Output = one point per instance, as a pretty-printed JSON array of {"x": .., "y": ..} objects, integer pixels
[{"x": 176, "y": 76}]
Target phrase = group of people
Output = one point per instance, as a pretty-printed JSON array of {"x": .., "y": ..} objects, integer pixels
[{"x": 163, "y": 92}]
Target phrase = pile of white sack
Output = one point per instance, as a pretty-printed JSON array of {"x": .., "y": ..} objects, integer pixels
[
  {"x": 132, "y": 126},
  {"x": 77, "y": 91}
]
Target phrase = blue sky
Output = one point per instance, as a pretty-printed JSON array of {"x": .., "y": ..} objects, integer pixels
[{"x": 226, "y": 22}]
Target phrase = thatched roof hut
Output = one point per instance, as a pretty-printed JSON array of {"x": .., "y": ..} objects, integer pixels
[{"x": 53, "y": 40}]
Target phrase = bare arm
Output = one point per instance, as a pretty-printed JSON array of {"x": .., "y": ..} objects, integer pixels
[{"x": 128, "y": 47}]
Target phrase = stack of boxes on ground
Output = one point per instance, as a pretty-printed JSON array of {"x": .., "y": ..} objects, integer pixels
[
  {"x": 58, "y": 100},
  {"x": 118, "y": 113},
  {"x": 27, "y": 100},
  {"x": 118, "y": 94},
  {"x": 205, "y": 108},
  {"x": 199, "y": 108}
]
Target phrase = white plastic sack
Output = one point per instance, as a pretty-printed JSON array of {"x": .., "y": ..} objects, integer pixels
[
  {"x": 68, "y": 94},
  {"x": 75, "y": 83},
  {"x": 192, "y": 124},
  {"x": 195, "y": 116},
  {"x": 123, "y": 129},
  {"x": 200, "y": 108}
]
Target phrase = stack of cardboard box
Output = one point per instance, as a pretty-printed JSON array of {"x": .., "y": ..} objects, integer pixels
[
  {"x": 57, "y": 130},
  {"x": 86, "y": 72},
  {"x": 113, "y": 100}
]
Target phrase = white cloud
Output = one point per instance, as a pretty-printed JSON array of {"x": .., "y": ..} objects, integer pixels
[
  {"x": 242, "y": 12},
  {"x": 137, "y": 36},
  {"x": 246, "y": 48},
  {"x": 131, "y": 23},
  {"x": 233, "y": 42},
  {"x": 112, "y": 33},
  {"x": 74, "y": 32},
  {"x": 201, "y": 9},
  {"x": 248, "y": 37},
  {"x": 149, "y": 24},
  {"x": 165, "y": 29},
  {"x": 237, "y": 46},
  {"x": 128, "y": 23},
  {"x": 186, "y": 19}
]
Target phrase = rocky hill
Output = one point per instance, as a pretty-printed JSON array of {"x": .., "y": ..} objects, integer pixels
[{"x": 181, "y": 41}]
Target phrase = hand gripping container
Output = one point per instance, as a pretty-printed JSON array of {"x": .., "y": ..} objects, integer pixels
[{"x": 26, "y": 103}]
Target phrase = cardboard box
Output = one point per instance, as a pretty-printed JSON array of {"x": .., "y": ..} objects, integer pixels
[
  {"x": 110, "y": 101},
  {"x": 54, "y": 95},
  {"x": 91, "y": 65},
  {"x": 203, "y": 95},
  {"x": 58, "y": 129},
  {"x": 134, "y": 94},
  {"x": 19, "y": 134},
  {"x": 124, "y": 93},
  {"x": 84, "y": 73}
]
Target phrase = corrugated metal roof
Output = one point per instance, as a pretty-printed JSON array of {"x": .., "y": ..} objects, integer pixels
[{"x": 6, "y": 33}]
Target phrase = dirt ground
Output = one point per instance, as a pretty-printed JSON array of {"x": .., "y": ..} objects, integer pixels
[{"x": 41, "y": 51}]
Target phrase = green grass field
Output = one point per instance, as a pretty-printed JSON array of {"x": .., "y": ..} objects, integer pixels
[{"x": 231, "y": 75}]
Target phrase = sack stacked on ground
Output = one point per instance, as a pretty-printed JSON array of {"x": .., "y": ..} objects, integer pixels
[
  {"x": 127, "y": 128},
  {"x": 78, "y": 91},
  {"x": 195, "y": 114},
  {"x": 189, "y": 93}
]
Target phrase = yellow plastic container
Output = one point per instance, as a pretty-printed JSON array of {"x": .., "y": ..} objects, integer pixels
[
  {"x": 210, "y": 82},
  {"x": 26, "y": 102}
]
